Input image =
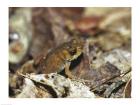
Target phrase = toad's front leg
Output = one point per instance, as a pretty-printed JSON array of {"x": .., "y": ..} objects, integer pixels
[
  {"x": 71, "y": 76},
  {"x": 68, "y": 72}
]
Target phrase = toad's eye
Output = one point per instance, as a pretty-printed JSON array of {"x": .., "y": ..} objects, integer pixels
[{"x": 72, "y": 52}]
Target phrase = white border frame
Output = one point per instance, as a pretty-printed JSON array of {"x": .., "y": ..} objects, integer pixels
[{"x": 4, "y": 100}]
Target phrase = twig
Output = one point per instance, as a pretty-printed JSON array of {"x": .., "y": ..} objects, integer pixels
[{"x": 123, "y": 74}]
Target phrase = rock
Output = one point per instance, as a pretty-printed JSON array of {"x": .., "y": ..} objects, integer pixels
[{"x": 62, "y": 87}]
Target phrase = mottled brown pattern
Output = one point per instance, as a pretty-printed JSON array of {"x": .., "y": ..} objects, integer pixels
[{"x": 56, "y": 60}]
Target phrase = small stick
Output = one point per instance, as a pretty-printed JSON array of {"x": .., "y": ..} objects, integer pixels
[{"x": 123, "y": 74}]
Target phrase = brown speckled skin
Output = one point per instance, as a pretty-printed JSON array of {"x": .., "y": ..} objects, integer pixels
[{"x": 56, "y": 59}]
